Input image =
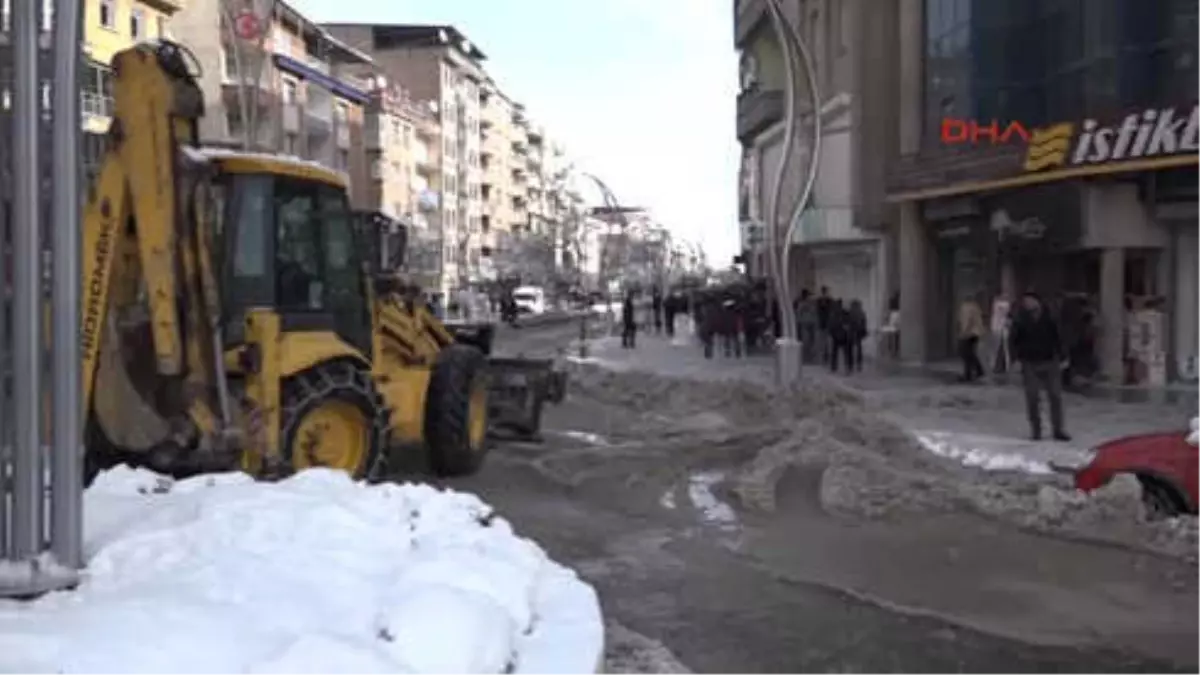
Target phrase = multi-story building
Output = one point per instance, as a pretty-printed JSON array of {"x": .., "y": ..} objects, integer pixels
[
  {"x": 497, "y": 181},
  {"x": 1091, "y": 201},
  {"x": 110, "y": 26},
  {"x": 402, "y": 144},
  {"x": 439, "y": 64},
  {"x": 838, "y": 242},
  {"x": 297, "y": 94}
]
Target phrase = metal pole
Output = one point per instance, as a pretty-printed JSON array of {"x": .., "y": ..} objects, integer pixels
[
  {"x": 788, "y": 353},
  {"x": 66, "y": 460},
  {"x": 27, "y": 532}
]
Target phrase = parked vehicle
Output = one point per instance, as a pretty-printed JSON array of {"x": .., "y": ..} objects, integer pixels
[
  {"x": 530, "y": 299},
  {"x": 1164, "y": 463}
]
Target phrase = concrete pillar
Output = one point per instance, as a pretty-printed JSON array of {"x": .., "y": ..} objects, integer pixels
[
  {"x": 1112, "y": 312},
  {"x": 910, "y": 84},
  {"x": 914, "y": 260}
]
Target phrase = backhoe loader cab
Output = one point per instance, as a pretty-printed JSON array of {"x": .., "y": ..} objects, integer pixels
[{"x": 228, "y": 319}]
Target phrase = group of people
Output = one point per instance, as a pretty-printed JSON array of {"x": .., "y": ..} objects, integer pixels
[{"x": 742, "y": 319}]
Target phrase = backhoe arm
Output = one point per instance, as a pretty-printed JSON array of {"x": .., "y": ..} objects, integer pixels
[{"x": 141, "y": 238}]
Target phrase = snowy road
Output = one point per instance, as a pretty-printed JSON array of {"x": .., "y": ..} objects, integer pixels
[{"x": 639, "y": 497}]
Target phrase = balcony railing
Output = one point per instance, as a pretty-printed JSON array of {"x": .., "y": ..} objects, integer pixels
[{"x": 96, "y": 105}]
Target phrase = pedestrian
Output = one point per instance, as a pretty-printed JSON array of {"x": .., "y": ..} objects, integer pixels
[
  {"x": 706, "y": 318},
  {"x": 824, "y": 305},
  {"x": 670, "y": 309},
  {"x": 858, "y": 333},
  {"x": 656, "y": 306},
  {"x": 628, "y": 323},
  {"x": 806, "y": 325},
  {"x": 1036, "y": 346},
  {"x": 970, "y": 330},
  {"x": 838, "y": 331}
]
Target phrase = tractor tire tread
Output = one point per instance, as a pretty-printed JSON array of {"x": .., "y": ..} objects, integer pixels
[
  {"x": 447, "y": 411},
  {"x": 341, "y": 379}
]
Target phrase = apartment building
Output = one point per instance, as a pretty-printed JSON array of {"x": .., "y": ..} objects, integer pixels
[
  {"x": 840, "y": 240},
  {"x": 439, "y": 64},
  {"x": 402, "y": 143},
  {"x": 109, "y": 26},
  {"x": 298, "y": 94}
]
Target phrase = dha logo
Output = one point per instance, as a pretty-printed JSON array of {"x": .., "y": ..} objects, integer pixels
[{"x": 1151, "y": 133}]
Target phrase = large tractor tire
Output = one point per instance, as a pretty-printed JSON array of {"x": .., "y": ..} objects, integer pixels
[
  {"x": 456, "y": 411},
  {"x": 333, "y": 417}
]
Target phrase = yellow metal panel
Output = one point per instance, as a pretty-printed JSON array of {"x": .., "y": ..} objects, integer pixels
[
  {"x": 263, "y": 391},
  {"x": 303, "y": 350},
  {"x": 269, "y": 165},
  {"x": 403, "y": 391}
]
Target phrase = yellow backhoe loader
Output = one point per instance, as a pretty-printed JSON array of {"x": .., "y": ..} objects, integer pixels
[{"x": 229, "y": 319}]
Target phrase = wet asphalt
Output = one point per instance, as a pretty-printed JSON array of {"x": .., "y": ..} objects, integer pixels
[{"x": 671, "y": 577}]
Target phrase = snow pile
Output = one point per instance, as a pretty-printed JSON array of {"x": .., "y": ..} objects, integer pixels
[
  {"x": 870, "y": 467},
  {"x": 315, "y": 574}
]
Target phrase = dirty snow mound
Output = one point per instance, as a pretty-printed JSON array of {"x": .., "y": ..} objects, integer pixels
[
  {"x": 871, "y": 466},
  {"x": 630, "y": 652}
]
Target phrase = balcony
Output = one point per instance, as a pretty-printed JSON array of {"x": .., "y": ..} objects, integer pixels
[
  {"x": 748, "y": 16},
  {"x": 756, "y": 111}
]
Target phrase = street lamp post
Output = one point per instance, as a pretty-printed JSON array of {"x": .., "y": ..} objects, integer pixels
[{"x": 788, "y": 353}]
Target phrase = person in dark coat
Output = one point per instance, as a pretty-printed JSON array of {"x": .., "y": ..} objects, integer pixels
[
  {"x": 656, "y": 306},
  {"x": 628, "y": 323},
  {"x": 707, "y": 318},
  {"x": 824, "y": 305},
  {"x": 670, "y": 309},
  {"x": 858, "y": 332},
  {"x": 1036, "y": 345},
  {"x": 839, "y": 331}
]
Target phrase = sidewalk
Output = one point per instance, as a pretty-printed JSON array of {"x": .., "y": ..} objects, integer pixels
[{"x": 979, "y": 424}]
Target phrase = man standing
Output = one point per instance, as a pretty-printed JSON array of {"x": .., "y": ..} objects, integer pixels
[
  {"x": 656, "y": 306},
  {"x": 628, "y": 322},
  {"x": 970, "y": 330},
  {"x": 1035, "y": 344},
  {"x": 824, "y": 309}
]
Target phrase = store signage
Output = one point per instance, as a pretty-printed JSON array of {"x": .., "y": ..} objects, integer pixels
[
  {"x": 1147, "y": 134},
  {"x": 977, "y": 132},
  {"x": 1007, "y": 228}
]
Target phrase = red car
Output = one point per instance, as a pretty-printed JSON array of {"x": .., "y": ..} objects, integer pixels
[{"x": 1164, "y": 463}]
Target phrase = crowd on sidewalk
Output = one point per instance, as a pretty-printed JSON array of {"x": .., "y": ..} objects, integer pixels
[{"x": 742, "y": 320}]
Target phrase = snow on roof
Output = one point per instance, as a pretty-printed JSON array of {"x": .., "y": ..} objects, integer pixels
[{"x": 216, "y": 154}]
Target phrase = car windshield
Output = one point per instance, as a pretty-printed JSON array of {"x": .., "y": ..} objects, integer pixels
[{"x": 529, "y": 297}]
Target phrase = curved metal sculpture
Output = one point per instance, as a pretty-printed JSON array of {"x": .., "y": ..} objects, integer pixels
[{"x": 779, "y": 251}]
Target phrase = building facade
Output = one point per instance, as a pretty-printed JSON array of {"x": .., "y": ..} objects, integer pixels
[
  {"x": 439, "y": 64},
  {"x": 298, "y": 94},
  {"x": 1091, "y": 202},
  {"x": 839, "y": 240}
]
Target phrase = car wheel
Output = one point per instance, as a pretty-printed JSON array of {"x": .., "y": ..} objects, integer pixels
[{"x": 1158, "y": 500}]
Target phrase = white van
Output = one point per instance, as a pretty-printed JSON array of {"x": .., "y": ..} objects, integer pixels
[{"x": 530, "y": 299}]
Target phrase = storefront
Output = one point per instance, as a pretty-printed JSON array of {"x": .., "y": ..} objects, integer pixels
[{"x": 1175, "y": 207}]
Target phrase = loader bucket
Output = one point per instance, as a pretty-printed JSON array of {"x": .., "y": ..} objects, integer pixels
[{"x": 520, "y": 388}]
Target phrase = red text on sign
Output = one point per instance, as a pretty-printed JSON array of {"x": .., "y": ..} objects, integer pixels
[{"x": 978, "y": 132}]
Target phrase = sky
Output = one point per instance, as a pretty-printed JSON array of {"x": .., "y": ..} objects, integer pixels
[{"x": 641, "y": 92}]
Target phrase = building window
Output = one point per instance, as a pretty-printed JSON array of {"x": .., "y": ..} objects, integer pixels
[
  {"x": 342, "y": 112},
  {"x": 377, "y": 169},
  {"x": 342, "y": 160},
  {"x": 230, "y": 63},
  {"x": 160, "y": 23},
  {"x": 108, "y": 14},
  {"x": 137, "y": 24},
  {"x": 291, "y": 144},
  {"x": 290, "y": 91}
]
